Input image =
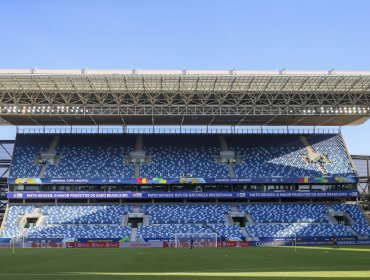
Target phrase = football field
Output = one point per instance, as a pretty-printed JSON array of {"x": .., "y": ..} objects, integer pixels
[{"x": 185, "y": 264}]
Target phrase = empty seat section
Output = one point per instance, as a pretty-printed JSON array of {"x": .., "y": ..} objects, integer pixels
[
  {"x": 172, "y": 156},
  {"x": 80, "y": 231},
  {"x": 85, "y": 214},
  {"x": 304, "y": 220},
  {"x": 168, "y": 231},
  {"x": 12, "y": 228},
  {"x": 352, "y": 210},
  {"x": 176, "y": 155},
  {"x": 299, "y": 230},
  {"x": 186, "y": 214},
  {"x": 93, "y": 156},
  {"x": 362, "y": 229},
  {"x": 333, "y": 146},
  {"x": 77, "y": 221},
  {"x": 168, "y": 220},
  {"x": 273, "y": 155},
  {"x": 283, "y": 155},
  {"x": 286, "y": 213},
  {"x": 25, "y": 150}
]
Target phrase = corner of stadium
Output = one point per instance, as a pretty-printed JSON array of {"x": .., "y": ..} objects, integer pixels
[{"x": 143, "y": 168}]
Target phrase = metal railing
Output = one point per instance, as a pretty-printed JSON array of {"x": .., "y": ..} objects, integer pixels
[{"x": 174, "y": 130}]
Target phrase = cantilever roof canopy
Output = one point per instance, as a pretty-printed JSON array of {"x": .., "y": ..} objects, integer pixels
[{"x": 183, "y": 97}]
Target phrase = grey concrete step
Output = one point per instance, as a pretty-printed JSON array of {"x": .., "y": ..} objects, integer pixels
[{"x": 134, "y": 234}]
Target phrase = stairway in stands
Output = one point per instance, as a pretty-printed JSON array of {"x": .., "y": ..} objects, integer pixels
[
  {"x": 224, "y": 148},
  {"x": 134, "y": 231},
  {"x": 2, "y": 223},
  {"x": 138, "y": 147},
  {"x": 51, "y": 150},
  {"x": 367, "y": 215}
]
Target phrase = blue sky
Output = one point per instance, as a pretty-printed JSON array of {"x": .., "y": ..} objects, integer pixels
[{"x": 188, "y": 34}]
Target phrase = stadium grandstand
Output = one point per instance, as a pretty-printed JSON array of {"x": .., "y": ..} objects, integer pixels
[{"x": 196, "y": 170}]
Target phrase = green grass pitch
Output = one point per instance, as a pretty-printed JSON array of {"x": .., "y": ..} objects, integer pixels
[{"x": 275, "y": 263}]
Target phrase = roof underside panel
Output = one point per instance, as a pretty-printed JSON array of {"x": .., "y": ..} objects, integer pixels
[
  {"x": 183, "y": 97},
  {"x": 186, "y": 120}
]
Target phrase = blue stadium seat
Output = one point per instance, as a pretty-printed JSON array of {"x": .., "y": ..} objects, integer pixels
[
  {"x": 186, "y": 214},
  {"x": 12, "y": 228},
  {"x": 362, "y": 229},
  {"x": 103, "y": 156},
  {"x": 81, "y": 231},
  {"x": 282, "y": 156},
  {"x": 334, "y": 147},
  {"x": 78, "y": 221},
  {"x": 174, "y": 156},
  {"x": 25, "y": 151},
  {"x": 300, "y": 230},
  {"x": 286, "y": 213},
  {"x": 104, "y": 221},
  {"x": 85, "y": 214},
  {"x": 353, "y": 210},
  {"x": 168, "y": 231},
  {"x": 98, "y": 156}
]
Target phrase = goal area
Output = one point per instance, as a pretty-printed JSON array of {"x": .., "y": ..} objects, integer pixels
[{"x": 181, "y": 240}]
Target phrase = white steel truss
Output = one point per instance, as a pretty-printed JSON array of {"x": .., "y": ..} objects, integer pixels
[{"x": 182, "y": 93}]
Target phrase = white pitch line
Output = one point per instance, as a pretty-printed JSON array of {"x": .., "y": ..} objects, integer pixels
[
  {"x": 329, "y": 248},
  {"x": 287, "y": 274},
  {"x": 290, "y": 274},
  {"x": 291, "y": 268}
]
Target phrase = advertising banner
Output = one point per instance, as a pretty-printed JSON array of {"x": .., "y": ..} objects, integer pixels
[
  {"x": 182, "y": 180},
  {"x": 5, "y": 240},
  {"x": 233, "y": 244},
  {"x": 92, "y": 245},
  {"x": 44, "y": 239},
  {"x": 170, "y": 195},
  {"x": 47, "y": 245},
  {"x": 305, "y": 241},
  {"x": 272, "y": 243},
  {"x": 186, "y": 244},
  {"x": 150, "y": 244},
  {"x": 306, "y": 238},
  {"x": 16, "y": 245},
  {"x": 97, "y": 239}
]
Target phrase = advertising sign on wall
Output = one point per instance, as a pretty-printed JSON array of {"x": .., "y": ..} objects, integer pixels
[
  {"x": 174, "y": 195},
  {"x": 92, "y": 245},
  {"x": 182, "y": 181}
]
